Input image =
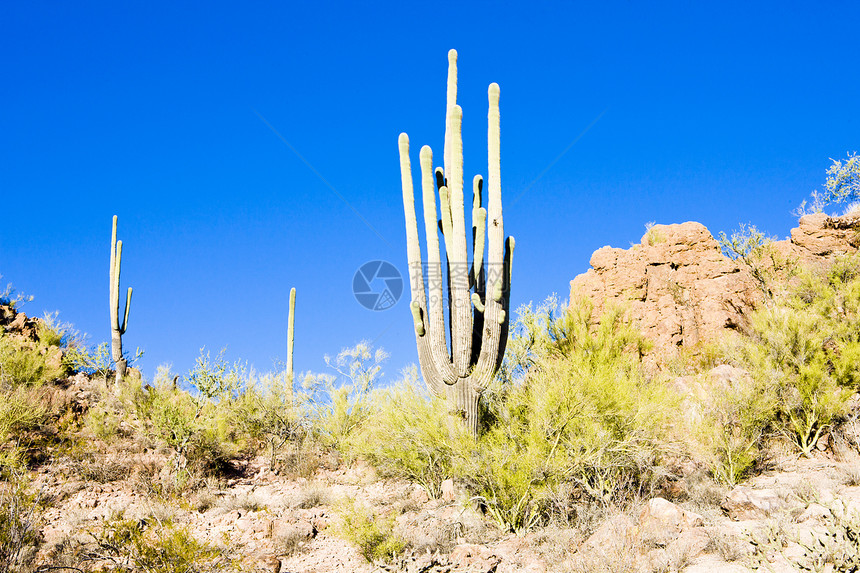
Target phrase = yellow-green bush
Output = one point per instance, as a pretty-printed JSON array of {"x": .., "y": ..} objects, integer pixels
[
  {"x": 338, "y": 405},
  {"x": 29, "y": 363},
  {"x": 571, "y": 407},
  {"x": 582, "y": 413},
  {"x": 804, "y": 347},
  {"x": 374, "y": 535},
  {"x": 732, "y": 420},
  {"x": 266, "y": 412},
  {"x": 406, "y": 435},
  {"x": 19, "y": 514},
  {"x": 150, "y": 545}
]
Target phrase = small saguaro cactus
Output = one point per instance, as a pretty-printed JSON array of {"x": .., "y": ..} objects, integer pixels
[
  {"x": 117, "y": 329},
  {"x": 478, "y": 298},
  {"x": 291, "y": 324}
]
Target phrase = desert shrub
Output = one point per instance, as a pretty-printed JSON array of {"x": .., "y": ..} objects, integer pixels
[
  {"x": 21, "y": 409},
  {"x": 733, "y": 418},
  {"x": 756, "y": 252},
  {"x": 19, "y": 515},
  {"x": 95, "y": 361},
  {"x": 576, "y": 409},
  {"x": 153, "y": 545},
  {"x": 374, "y": 535},
  {"x": 29, "y": 363},
  {"x": 339, "y": 404},
  {"x": 652, "y": 236},
  {"x": 841, "y": 186},
  {"x": 193, "y": 425},
  {"x": 805, "y": 348},
  {"x": 266, "y": 412},
  {"x": 406, "y": 435},
  {"x": 10, "y": 297}
]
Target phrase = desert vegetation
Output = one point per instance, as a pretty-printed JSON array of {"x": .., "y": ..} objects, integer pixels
[
  {"x": 555, "y": 440},
  {"x": 576, "y": 426}
]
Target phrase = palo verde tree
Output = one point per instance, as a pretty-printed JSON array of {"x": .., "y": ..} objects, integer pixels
[
  {"x": 478, "y": 297},
  {"x": 117, "y": 329}
]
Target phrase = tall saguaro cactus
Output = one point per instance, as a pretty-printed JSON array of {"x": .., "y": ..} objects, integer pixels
[
  {"x": 478, "y": 298},
  {"x": 117, "y": 329},
  {"x": 291, "y": 324}
]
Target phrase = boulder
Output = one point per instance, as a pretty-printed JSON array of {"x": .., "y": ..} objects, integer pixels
[
  {"x": 744, "y": 503},
  {"x": 676, "y": 284}
]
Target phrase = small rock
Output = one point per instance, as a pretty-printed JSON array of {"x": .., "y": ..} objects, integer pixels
[
  {"x": 616, "y": 533},
  {"x": 448, "y": 494},
  {"x": 474, "y": 558},
  {"x": 745, "y": 503},
  {"x": 814, "y": 511},
  {"x": 661, "y": 516}
]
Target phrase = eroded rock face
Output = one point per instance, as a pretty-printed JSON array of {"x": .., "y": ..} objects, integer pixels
[
  {"x": 677, "y": 285},
  {"x": 820, "y": 237},
  {"x": 681, "y": 290}
]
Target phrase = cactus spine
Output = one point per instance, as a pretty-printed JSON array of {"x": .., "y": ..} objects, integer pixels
[
  {"x": 478, "y": 324},
  {"x": 117, "y": 329}
]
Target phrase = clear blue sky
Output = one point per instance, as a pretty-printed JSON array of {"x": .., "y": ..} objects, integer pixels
[{"x": 717, "y": 112}]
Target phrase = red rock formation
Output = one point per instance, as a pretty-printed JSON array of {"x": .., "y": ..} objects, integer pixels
[{"x": 681, "y": 290}]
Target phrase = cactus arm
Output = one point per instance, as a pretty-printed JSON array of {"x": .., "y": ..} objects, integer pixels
[
  {"x": 417, "y": 319},
  {"x": 429, "y": 370},
  {"x": 413, "y": 249},
  {"x": 503, "y": 336},
  {"x": 495, "y": 321},
  {"x": 479, "y": 224},
  {"x": 510, "y": 243},
  {"x": 436, "y": 318},
  {"x": 476, "y": 300},
  {"x": 461, "y": 309},
  {"x": 450, "y": 102},
  {"x": 113, "y": 301},
  {"x": 125, "y": 314}
]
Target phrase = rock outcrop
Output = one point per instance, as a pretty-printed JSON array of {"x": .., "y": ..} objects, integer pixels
[{"x": 681, "y": 290}]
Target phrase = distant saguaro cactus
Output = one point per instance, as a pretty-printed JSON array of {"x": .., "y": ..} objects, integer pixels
[
  {"x": 478, "y": 299},
  {"x": 291, "y": 324},
  {"x": 117, "y": 329}
]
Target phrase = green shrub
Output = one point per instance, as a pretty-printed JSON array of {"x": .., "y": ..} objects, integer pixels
[
  {"x": 24, "y": 362},
  {"x": 755, "y": 251},
  {"x": 576, "y": 410},
  {"x": 155, "y": 546},
  {"x": 804, "y": 347},
  {"x": 406, "y": 435},
  {"x": 194, "y": 426},
  {"x": 21, "y": 409},
  {"x": 266, "y": 412},
  {"x": 842, "y": 185},
  {"x": 19, "y": 514},
  {"x": 9, "y": 297},
  {"x": 340, "y": 404},
  {"x": 373, "y": 535},
  {"x": 734, "y": 417},
  {"x": 94, "y": 361}
]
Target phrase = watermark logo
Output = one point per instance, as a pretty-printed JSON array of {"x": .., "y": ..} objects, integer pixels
[{"x": 377, "y": 285}]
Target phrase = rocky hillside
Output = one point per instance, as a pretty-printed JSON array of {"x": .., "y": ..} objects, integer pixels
[
  {"x": 105, "y": 479},
  {"x": 681, "y": 290}
]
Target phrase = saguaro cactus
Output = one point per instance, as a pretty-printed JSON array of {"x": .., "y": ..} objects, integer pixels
[
  {"x": 291, "y": 324},
  {"x": 117, "y": 329},
  {"x": 478, "y": 298}
]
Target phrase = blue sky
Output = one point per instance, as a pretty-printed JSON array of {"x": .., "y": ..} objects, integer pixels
[{"x": 160, "y": 113}]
